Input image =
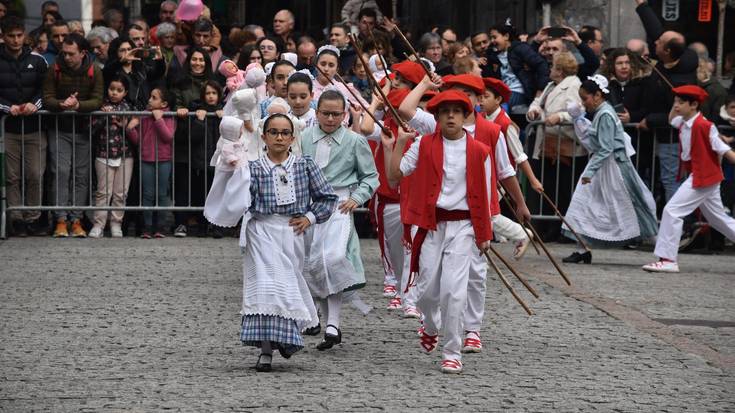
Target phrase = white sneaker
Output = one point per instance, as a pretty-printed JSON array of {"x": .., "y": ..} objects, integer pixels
[
  {"x": 116, "y": 231},
  {"x": 411, "y": 312},
  {"x": 662, "y": 266},
  {"x": 96, "y": 232},
  {"x": 395, "y": 303}
]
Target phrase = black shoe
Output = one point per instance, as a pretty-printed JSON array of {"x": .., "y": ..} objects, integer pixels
[
  {"x": 215, "y": 231},
  {"x": 577, "y": 258},
  {"x": 313, "y": 331},
  {"x": 261, "y": 366},
  {"x": 330, "y": 340},
  {"x": 285, "y": 354},
  {"x": 37, "y": 229},
  {"x": 18, "y": 229}
]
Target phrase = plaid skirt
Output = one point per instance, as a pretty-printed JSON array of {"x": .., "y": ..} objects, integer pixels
[{"x": 282, "y": 332}]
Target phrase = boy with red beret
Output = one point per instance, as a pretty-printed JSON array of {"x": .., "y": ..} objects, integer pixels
[
  {"x": 700, "y": 150},
  {"x": 387, "y": 201},
  {"x": 491, "y": 135},
  {"x": 449, "y": 204}
]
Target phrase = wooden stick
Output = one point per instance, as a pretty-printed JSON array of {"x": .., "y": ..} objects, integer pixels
[
  {"x": 383, "y": 128},
  {"x": 387, "y": 104},
  {"x": 413, "y": 51},
  {"x": 522, "y": 223},
  {"x": 548, "y": 254},
  {"x": 383, "y": 62},
  {"x": 513, "y": 270},
  {"x": 507, "y": 284},
  {"x": 564, "y": 221},
  {"x": 655, "y": 69}
]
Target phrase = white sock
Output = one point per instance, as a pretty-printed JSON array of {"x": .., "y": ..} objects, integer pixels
[{"x": 334, "y": 307}]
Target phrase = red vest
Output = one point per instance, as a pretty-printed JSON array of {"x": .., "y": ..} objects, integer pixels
[
  {"x": 705, "y": 163},
  {"x": 504, "y": 122},
  {"x": 488, "y": 133},
  {"x": 427, "y": 182}
]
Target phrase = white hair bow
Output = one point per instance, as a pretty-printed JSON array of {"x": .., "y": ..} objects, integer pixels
[{"x": 601, "y": 82}]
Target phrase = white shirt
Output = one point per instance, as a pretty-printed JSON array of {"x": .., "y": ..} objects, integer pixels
[
  {"x": 453, "y": 195},
  {"x": 512, "y": 140},
  {"x": 685, "y": 137},
  {"x": 424, "y": 123}
]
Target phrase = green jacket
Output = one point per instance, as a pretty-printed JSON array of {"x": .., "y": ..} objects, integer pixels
[{"x": 61, "y": 82}]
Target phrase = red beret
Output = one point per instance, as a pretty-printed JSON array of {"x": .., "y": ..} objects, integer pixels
[
  {"x": 498, "y": 87},
  {"x": 396, "y": 96},
  {"x": 471, "y": 82},
  {"x": 410, "y": 71},
  {"x": 691, "y": 91},
  {"x": 449, "y": 96}
]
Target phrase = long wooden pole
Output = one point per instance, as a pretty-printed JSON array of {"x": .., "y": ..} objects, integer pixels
[
  {"x": 507, "y": 284},
  {"x": 387, "y": 104},
  {"x": 558, "y": 213},
  {"x": 413, "y": 51},
  {"x": 513, "y": 270}
]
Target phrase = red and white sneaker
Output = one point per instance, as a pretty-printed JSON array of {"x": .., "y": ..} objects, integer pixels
[
  {"x": 427, "y": 341},
  {"x": 411, "y": 312},
  {"x": 662, "y": 266},
  {"x": 451, "y": 366},
  {"x": 389, "y": 290},
  {"x": 394, "y": 304},
  {"x": 472, "y": 342}
]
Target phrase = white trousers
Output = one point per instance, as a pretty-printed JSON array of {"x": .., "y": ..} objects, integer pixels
[
  {"x": 684, "y": 202},
  {"x": 392, "y": 244},
  {"x": 445, "y": 265}
]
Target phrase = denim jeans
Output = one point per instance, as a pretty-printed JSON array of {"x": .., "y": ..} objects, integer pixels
[
  {"x": 155, "y": 189},
  {"x": 668, "y": 163}
]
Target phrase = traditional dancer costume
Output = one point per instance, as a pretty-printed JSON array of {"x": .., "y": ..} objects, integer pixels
[
  {"x": 489, "y": 134},
  {"x": 615, "y": 208},
  {"x": 276, "y": 303},
  {"x": 450, "y": 204},
  {"x": 334, "y": 264},
  {"x": 700, "y": 150}
]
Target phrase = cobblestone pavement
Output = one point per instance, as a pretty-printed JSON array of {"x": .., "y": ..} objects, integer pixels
[{"x": 132, "y": 325}]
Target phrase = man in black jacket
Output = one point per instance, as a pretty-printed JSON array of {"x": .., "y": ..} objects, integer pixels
[
  {"x": 21, "y": 80},
  {"x": 678, "y": 65}
]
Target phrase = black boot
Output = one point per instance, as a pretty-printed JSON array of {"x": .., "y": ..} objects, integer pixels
[{"x": 577, "y": 258}]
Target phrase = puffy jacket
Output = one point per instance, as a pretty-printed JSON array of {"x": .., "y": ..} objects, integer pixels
[
  {"x": 204, "y": 137},
  {"x": 61, "y": 81},
  {"x": 21, "y": 81},
  {"x": 528, "y": 65}
]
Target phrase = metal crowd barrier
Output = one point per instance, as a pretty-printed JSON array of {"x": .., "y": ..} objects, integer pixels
[
  {"x": 48, "y": 124},
  {"x": 564, "y": 172}
]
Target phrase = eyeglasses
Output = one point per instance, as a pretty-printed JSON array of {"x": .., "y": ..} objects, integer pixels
[
  {"x": 330, "y": 114},
  {"x": 273, "y": 133}
]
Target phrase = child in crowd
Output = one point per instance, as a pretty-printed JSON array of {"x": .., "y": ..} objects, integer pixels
[
  {"x": 278, "y": 197},
  {"x": 155, "y": 137},
  {"x": 701, "y": 150},
  {"x": 113, "y": 161},
  {"x": 204, "y": 132},
  {"x": 450, "y": 204},
  {"x": 360, "y": 80},
  {"x": 334, "y": 264}
]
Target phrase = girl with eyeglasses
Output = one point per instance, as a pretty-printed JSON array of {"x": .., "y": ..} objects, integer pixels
[{"x": 279, "y": 196}]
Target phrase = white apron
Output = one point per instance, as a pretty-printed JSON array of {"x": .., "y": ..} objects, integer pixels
[
  {"x": 328, "y": 270},
  {"x": 272, "y": 267}
]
